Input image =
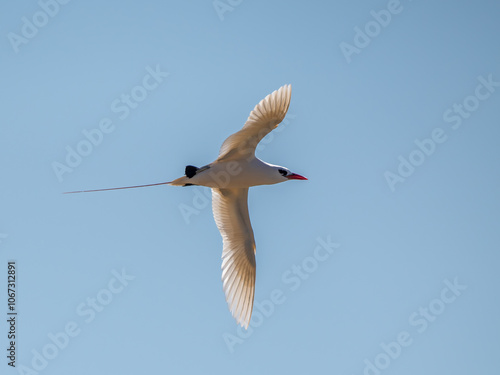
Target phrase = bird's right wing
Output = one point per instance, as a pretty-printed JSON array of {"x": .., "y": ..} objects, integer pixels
[
  {"x": 238, "y": 256},
  {"x": 265, "y": 117}
]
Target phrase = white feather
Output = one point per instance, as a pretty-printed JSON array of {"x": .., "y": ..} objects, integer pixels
[
  {"x": 263, "y": 119},
  {"x": 230, "y": 211}
]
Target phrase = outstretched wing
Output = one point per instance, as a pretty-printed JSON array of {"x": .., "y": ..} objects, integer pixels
[
  {"x": 265, "y": 117},
  {"x": 230, "y": 211}
]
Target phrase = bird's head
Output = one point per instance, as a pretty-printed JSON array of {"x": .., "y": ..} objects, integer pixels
[{"x": 285, "y": 174}]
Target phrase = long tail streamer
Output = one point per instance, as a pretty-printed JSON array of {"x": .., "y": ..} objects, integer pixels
[{"x": 117, "y": 188}]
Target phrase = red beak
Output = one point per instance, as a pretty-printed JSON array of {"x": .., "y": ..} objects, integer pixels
[{"x": 295, "y": 176}]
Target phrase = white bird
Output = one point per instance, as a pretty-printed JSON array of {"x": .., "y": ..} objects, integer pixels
[{"x": 229, "y": 176}]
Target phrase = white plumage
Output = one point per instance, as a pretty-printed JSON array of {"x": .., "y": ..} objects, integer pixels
[
  {"x": 230, "y": 175},
  {"x": 238, "y": 255},
  {"x": 262, "y": 120}
]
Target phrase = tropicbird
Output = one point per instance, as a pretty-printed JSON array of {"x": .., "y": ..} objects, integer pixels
[{"x": 229, "y": 176}]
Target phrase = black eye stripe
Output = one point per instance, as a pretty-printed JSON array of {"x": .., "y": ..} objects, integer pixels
[{"x": 282, "y": 171}]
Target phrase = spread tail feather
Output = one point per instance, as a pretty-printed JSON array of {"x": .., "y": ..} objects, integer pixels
[
  {"x": 190, "y": 172},
  {"x": 181, "y": 181}
]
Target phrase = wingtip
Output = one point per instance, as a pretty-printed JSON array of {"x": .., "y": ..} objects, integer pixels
[{"x": 287, "y": 87}]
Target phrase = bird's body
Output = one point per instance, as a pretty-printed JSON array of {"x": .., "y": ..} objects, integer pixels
[
  {"x": 234, "y": 174},
  {"x": 229, "y": 176}
]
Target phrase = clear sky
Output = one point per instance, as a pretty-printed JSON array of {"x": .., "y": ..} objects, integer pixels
[{"x": 384, "y": 262}]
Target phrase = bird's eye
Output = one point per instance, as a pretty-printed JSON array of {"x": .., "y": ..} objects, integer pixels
[{"x": 283, "y": 172}]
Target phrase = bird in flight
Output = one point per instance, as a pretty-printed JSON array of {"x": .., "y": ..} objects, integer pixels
[{"x": 229, "y": 176}]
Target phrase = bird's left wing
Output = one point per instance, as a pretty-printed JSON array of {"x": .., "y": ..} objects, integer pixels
[
  {"x": 263, "y": 119},
  {"x": 230, "y": 211}
]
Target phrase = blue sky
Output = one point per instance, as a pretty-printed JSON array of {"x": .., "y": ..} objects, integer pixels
[{"x": 384, "y": 262}]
